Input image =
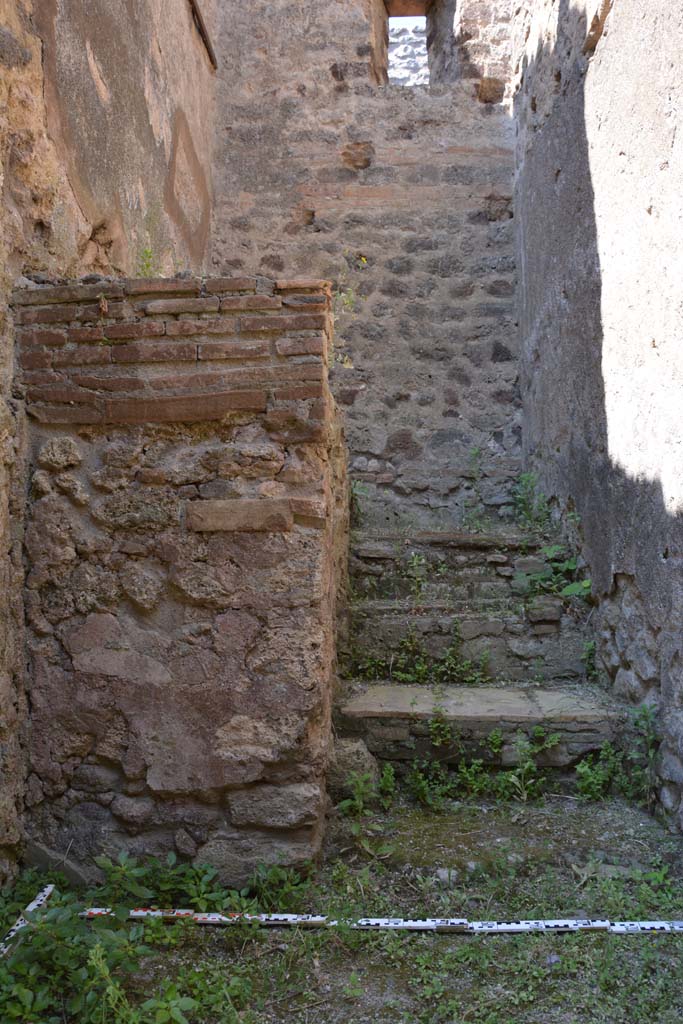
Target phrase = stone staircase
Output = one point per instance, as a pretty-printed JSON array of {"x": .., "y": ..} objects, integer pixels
[{"x": 448, "y": 624}]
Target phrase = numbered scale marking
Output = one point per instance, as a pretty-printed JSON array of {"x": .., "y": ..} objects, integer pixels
[
  {"x": 21, "y": 922},
  {"x": 458, "y": 925}
]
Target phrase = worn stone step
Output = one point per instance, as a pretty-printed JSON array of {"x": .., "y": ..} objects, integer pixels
[
  {"x": 543, "y": 640},
  {"x": 465, "y": 566},
  {"x": 394, "y": 721},
  {"x": 463, "y": 586}
]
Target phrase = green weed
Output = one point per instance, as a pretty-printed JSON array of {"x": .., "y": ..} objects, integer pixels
[{"x": 531, "y": 505}]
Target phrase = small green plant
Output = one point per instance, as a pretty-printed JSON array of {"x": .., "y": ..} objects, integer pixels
[
  {"x": 147, "y": 263},
  {"x": 531, "y": 505},
  {"x": 525, "y": 781},
  {"x": 344, "y": 297},
  {"x": 362, "y": 794},
  {"x": 473, "y": 520},
  {"x": 354, "y": 987},
  {"x": 387, "y": 786},
  {"x": 441, "y": 732},
  {"x": 588, "y": 659},
  {"x": 357, "y": 492},
  {"x": 628, "y": 770},
  {"x": 561, "y": 576},
  {"x": 430, "y": 784},
  {"x": 636, "y": 779},
  {"x": 415, "y": 572},
  {"x": 364, "y": 831},
  {"x": 412, "y": 665},
  {"x": 595, "y": 773},
  {"x": 495, "y": 741}
]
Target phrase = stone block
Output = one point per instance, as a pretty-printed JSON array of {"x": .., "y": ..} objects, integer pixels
[
  {"x": 234, "y": 349},
  {"x": 349, "y": 757},
  {"x": 545, "y": 609},
  {"x": 263, "y": 515},
  {"x": 60, "y": 453},
  {"x": 136, "y": 329},
  {"x": 628, "y": 686},
  {"x": 300, "y": 346},
  {"x": 181, "y": 408},
  {"x": 163, "y": 286},
  {"x": 236, "y": 855},
  {"x": 278, "y": 807}
]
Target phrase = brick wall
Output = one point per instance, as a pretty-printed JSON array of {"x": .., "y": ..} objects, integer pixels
[{"x": 185, "y": 524}]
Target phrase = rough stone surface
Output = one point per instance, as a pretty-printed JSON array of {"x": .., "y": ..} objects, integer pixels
[
  {"x": 181, "y": 645},
  {"x": 349, "y": 757},
  {"x": 599, "y": 246}
]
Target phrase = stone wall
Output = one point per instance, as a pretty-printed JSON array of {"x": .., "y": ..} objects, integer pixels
[
  {"x": 472, "y": 39},
  {"x": 403, "y": 197},
  {"x": 98, "y": 172},
  {"x": 599, "y": 243},
  {"x": 185, "y": 528}
]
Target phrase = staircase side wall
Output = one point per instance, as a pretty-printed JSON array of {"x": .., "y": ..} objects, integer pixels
[
  {"x": 599, "y": 247},
  {"x": 403, "y": 197},
  {"x": 185, "y": 521}
]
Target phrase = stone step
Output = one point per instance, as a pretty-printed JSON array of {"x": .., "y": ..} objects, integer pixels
[
  {"x": 455, "y": 565},
  {"x": 394, "y": 721},
  {"x": 543, "y": 639}
]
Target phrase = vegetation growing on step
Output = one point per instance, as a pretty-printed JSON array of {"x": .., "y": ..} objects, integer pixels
[
  {"x": 532, "y": 509},
  {"x": 561, "y": 576},
  {"x": 432, "y": 784},
  {"x": 474, "y": 515},
  {"x": 411, "y": 664},
  {"x": 628, "y": 769}
]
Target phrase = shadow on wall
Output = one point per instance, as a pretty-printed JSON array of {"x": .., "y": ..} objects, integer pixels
[{"x": 582, "y": 360}]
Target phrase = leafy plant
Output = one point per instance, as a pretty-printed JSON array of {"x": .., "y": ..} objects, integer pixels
[
  {"x": 387, "y": 786},
  {"x": 344, "y": 296},
  {"x": 495, "y": 741},
  {"x": 441, "y": 732},
  {"x": 356, "y": 807},
  {"x": 595, "y": 773},
  {"x": 147, "y": 263},
  {"x": 124, "y": 877},
  {"x": 411, "y": 664},
  {"x": 429, "y": 783},
  {"x": 525, "y": 781},
  {"x": 561, "y": 576},
  {"x": 629, "y": 770},
  {"x": 531, "y": 505}
]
